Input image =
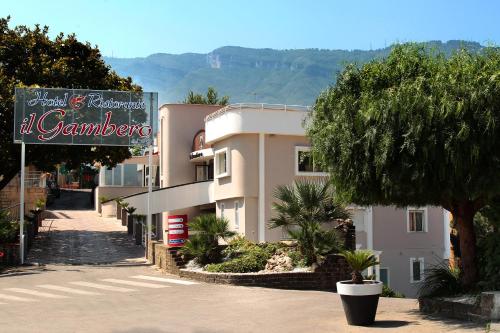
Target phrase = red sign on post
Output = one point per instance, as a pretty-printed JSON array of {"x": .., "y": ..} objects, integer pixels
[{"x": 177, "y": 230}]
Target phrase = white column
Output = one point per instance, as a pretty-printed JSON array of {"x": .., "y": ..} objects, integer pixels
[
  {"x": 21, "y": 205},
  {"x": 261, "y": 221}
]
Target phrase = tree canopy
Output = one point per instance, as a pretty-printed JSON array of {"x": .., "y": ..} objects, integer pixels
[
  {"x": 211, "y": 98},
  {"x": 416, "y": 128},
  {"x": 30, "y": 58}
]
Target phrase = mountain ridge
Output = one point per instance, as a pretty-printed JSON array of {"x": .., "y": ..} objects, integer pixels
[{"x": 264, "y": 75}]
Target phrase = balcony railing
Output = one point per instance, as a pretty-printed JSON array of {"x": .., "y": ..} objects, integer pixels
[{"x": 258, "y": 106}]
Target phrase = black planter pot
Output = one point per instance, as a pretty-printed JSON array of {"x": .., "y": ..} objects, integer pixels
[
  {"x": 360, "y": 301},
  {"x": 138, "y": 233},
  {"x": 130, "y": 224}
]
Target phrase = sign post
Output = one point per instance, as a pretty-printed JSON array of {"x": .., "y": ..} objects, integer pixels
[
  {"x": 83, "y": 117},
  {"x": 177, "y": 230},
  {"x": 21, "y": 204}
]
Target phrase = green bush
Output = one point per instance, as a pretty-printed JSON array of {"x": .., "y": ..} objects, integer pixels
[
  {"x": 252, "y": 261},
  {"x": 302, "y": 209},
  {"x": 298, "y": 259},
  {"x": 8, "y": 228},
  {"x": 487, "y": 225},
  {"x": 203, "y": 246},
  {"x": 245, "y": 256},
  {"x": 388, "y": 292},
  {"x": 441, "y": 280}
]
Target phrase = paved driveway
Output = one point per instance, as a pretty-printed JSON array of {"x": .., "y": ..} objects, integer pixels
[
  {"x": 123, "y": 295},
  {"x": 140, "y": 299},
  {"x": 79, "y": 235}
]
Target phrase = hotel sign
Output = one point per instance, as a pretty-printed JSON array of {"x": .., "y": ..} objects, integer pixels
[{"x": 84, "y": 117}]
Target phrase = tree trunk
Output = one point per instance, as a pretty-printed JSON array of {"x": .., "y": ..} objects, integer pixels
[{"x": 464, "y": 215}]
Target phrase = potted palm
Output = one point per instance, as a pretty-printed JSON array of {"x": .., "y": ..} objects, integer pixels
[{"x": 359, "y": 296}]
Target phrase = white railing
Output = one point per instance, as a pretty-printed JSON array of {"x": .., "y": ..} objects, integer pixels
[
  {"x": 34, "y": 179},
  {"x": 258, "y": 106}
]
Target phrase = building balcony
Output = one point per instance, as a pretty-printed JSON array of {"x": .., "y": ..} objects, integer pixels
[{"x": 255, "y": 118}]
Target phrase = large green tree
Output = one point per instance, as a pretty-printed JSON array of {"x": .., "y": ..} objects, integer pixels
[
  {"x": 30, "y": 58},
  {"x": 416, "y": 128}
]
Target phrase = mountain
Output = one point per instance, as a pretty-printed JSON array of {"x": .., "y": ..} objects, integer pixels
[{"x": 251, "y": 75}]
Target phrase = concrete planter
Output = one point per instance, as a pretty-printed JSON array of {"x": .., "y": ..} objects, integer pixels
[
  {"x": 118, "y": 211},
  {"x": 130, "y": 225},
  {"x": 360, "y": 301},
  {"x": 138, "y": 232}
]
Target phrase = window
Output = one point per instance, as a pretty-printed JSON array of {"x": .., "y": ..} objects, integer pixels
[
  {"x": 131, "y": 175},
  {"x": 117, "y": 175},
  {"x": 108, "y": 176},
  {"x": 304, "y": 163},
  {"x": 222, "y": 165},
  {"x": 236, "y": 214},
  {"x": 222, "y": 207},
  {"x": 416, "y": 220},
  {"x": 384, "y": 276},
  {"x": 416, "y": 269}
]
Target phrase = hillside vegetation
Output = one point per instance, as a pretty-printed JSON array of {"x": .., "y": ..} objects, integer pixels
[{"x": 251, "y": 75}]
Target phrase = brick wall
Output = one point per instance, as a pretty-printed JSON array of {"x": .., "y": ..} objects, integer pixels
[
  {"x": 167, "y": 259},
  {"x": 333, "y": 269},
  {"x": 324, "y": 278}
]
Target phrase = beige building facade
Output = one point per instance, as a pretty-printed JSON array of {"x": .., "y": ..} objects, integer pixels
[{"x": 230, "y": 160}]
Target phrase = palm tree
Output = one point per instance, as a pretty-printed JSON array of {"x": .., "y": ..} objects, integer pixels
[
  {"x": 359, "y": 260},
  {"x": 204, "y": 244},
  {"x": 302, "y": 209}
]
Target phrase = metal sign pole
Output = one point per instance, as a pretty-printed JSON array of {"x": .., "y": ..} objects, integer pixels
[
  {"x": 150, "y": 189},
  {"x": 150, "y": 182},
  {"x": 21, "y": 206}
]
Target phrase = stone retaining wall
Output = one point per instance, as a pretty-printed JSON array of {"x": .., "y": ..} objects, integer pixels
[
  {"x": 333, "y": 269},
  {"x": 483, "y": 307},
  {"x": 318, "y": 280}
]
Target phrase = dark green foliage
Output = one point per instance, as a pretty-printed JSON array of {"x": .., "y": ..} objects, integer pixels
[
  {"x": 359, "y": 260},
  {"x": 388, "y": 292},
  {"x": 203, "y": 246},
  {"x": 487, "y": 223},
  {"x": 298, "y": 260},
  {"x": 211, "y": 98},
  {"x": 29, "y": 58},
  {"x": 302, "y": 210},
  {"x": 245, "y": 256},
  {"x": 416, "y": 129},
  {"x": 252, "y": 75},
  {"x": 441, "y": 280},
  {"x": 8, "y": 227},
  {"x": 252, "y": 261}
]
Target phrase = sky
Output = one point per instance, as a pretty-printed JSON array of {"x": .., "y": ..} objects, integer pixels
[{"x": 138, "y": 28}]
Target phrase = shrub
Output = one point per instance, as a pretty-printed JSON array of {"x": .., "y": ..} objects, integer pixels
[
  {"x": 441, "y": 280},
  {"x": 302, "y": 209},
  {"x": 245, "y": 256},
  {"x": 298, "y": 260},
  {"x": 8, "y": 228},
  {"x": 388, "y": 292},
  {"x": 487, "y": 225},
  {"x": 253, "y": 260},
  {"x": 203, "y": 246}
]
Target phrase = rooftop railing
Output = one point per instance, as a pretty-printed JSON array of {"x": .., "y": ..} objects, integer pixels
[{"x": 258, "y": 106}]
